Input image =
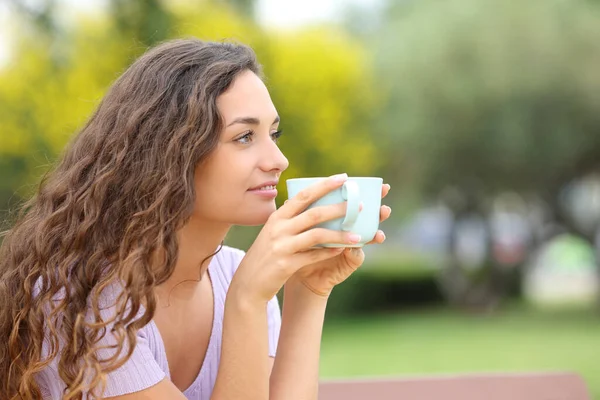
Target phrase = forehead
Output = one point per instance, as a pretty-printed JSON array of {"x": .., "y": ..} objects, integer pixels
[{"x": 246, "y": 97}]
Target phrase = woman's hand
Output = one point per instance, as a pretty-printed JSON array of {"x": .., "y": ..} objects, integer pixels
[
  {"x": 284, "y": 245},
  {"x": 321, "y": 277}
]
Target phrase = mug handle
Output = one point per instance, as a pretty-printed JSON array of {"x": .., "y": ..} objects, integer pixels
[{"x": 351, "y": 194}]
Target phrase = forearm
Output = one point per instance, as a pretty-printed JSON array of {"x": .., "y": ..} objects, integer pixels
[
  {"x": 243, "y": 370},
  {"x": 295, "y": 373}
]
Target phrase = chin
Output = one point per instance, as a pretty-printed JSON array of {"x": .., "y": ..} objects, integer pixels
[{"x": 256, "y": 217}]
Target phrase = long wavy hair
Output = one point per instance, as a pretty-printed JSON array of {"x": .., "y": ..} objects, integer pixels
[{"x": 109, "y": 212}]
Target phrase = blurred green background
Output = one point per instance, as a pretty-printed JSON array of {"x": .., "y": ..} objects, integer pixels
[{"x": 483, "y": 115}]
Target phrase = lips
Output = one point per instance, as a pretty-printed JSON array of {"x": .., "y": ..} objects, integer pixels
[{"x": 271, "y": 185}]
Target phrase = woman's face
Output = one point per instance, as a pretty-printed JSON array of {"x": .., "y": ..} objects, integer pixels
[{"x": 230, "y": 185}]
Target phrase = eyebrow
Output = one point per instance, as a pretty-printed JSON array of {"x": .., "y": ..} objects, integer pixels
[{"x": 250, "y": 121}]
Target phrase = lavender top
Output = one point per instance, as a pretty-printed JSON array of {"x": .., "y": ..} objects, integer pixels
[{"x": 148, "y": 364}]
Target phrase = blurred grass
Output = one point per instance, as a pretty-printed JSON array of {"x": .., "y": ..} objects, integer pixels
[{"x": 439, "y": 341}]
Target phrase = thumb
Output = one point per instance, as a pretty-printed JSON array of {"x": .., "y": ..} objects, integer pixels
[{"x": 355, "y": 256}]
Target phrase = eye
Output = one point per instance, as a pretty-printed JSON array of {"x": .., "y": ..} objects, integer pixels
[
  {"x": 276, "y": 135},
  {"x": 246, "y": 138}
]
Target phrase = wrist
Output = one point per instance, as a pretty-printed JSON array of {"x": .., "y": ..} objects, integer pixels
[
  {"x": 244, "y": 300},
  {"x": 298, "y": 289}
]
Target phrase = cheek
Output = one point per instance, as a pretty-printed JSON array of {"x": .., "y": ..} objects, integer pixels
[
  {"x": 221, "y": 189},
  {"x": 213, "y": 190},
  {"x": 221, "y": 184}
]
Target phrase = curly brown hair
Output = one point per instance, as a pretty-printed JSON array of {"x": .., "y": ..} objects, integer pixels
[{"x": 109, "y": 212}]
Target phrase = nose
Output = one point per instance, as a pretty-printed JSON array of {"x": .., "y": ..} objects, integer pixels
[{"x": 272, "y": 158}]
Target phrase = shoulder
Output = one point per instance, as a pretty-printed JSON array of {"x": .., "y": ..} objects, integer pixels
[
  {"x": 234, "y": 255},
  {"x": 227, "y": 262},
  {"x": 144, "y": 368},
  {"x": 230, "y": 258}
]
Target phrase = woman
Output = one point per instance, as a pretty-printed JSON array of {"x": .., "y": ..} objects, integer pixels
[{"x": 114, "y": 282}]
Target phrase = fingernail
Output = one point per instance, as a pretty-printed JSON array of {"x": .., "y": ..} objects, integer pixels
[
  {"x": 340, "y": 177},
  {"x": 361, "y": 206},
  {"x": 354, "y": 238},
  {"x": 389, "y": 186},
  {"x": 389, "y": 208},
  {"x": 383, "y": 233}
]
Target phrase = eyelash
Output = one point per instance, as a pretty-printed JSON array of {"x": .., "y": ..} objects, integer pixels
[{"x": 275, "y": 136}]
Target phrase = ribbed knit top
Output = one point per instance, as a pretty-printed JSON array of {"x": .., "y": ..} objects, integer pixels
[{"x": 148, "y": 364}]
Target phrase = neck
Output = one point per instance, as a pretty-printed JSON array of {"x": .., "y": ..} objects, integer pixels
[{"x": 198, "y": 241}]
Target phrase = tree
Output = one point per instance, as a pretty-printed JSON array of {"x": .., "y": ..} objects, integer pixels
[
  {"x": 490, "y": 96},
  {"x": 145, "y": 21}
]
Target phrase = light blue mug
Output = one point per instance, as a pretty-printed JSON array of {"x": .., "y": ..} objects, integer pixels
[{"x": 356, "y": 190}]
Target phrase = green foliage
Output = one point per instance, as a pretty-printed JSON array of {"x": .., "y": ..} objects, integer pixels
[
  {"x": 319, "y": 81},
  {"x": 492, "y": 93},
  {"x": 145, "y": 21},
  {"x": 386, "y": 285},
  {"x": 44, "y": 99}
]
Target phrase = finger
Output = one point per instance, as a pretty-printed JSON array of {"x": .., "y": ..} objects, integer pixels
[
  {"x": 309, "y": 195},
  {"x": 314, "y": 216},
  {"x": 317, "y": 215},
  {"x": 384, "y": 213},
  {"x": 379, "y": 238},
  {"x": 385, "y": 189},
  {"x": 315, "y": 236}
]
